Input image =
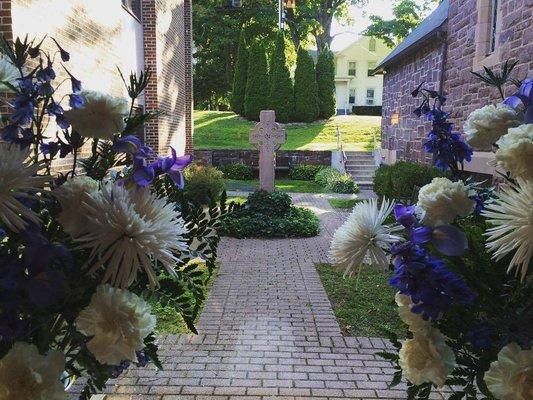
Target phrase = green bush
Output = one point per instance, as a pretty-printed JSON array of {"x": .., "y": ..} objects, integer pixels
[
  {"x": 402, "y": 180},
  {"x": 305, "y": 88},
  {"x": 325, "y": 78},
  {"x": 281, "y": 98},
  {"x": 270, "y": 215},
  {"x": 342, "y": 184},
  {"x": 326, "y": 175},
  {"x": 257, "y": 84},
  {"x": 203, "y": 184},
  {"x": 237, "y": 171},
  {"x": 239, "y": 77},
  {"x": 304, "y": 172}
]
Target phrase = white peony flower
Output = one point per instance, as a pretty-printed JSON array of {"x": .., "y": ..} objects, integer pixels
[
  {"x": 427, "y": 358},
  {"x": 8, "y": 73},
  {"x": 27, "y": 375},
  {"x": 127, "y": 230},
  {"x": 511, "y": 376},
  {"x": 443, "y": 200},
  {"x": 515, "y": 152},
  {"x": 118, "y": 321},
  {"x": 485, "y": 126},
  {"x": 18, "y": 180},
  {"x": 364, "y": 236},
  {"x": 100, "y": 117},
  {"x": 71, "y": 195},
  {"x": 415, "y": 321},
  {"x": 511, "y": 215}
]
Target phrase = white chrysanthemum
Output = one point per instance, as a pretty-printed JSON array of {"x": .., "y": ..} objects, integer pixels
[
  {"x": 511, "y": 376},
  {"x": 18, "y": 180},
  {"x": 71, "y": 195},
  {"x": 515, "y": 152},
  {"x": 8, "y": 73},
  {"x": 486, "y": 125},
  {"x": 415, "y": 321},
  {"x": 511, "y": 215},
  {"x": 100, "y": 117},
  {"x": 118, "y": 321},
  {"x": 27, "y": 375},
  {"x": 443, "y": 200},
  {"x": 427, "y": 358},
  {"x": 127, "y": 229},
  {"x": 364, "y": 236}
]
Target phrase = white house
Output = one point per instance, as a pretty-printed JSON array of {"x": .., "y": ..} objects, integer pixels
[{"x": 355, "y": 85}]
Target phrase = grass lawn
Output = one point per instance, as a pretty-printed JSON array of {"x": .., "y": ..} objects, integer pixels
[
  {"x": 343, "y": 204},
  {"x": 226, "y": 130},
  {"x": 168, "y": 319},
  {"x": 363, "y": 305},
  {"x": 284, "y": 185}
]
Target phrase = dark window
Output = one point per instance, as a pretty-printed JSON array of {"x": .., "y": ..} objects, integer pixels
[
  {"x": 352, "y": 67},
  {"x": 493, "y": 24},
  {"x": 133, "y": 6},
  {"x": 351, "y": 97}
]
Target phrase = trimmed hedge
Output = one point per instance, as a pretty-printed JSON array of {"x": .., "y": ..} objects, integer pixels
[
  {"x": 325, "y": 79},
  {"x": 237, "y": 171},
  {"x": 270, "y": 215},
  {"x": 239, "y": 77},
  {"x": 281, "y": 98},
  {"x": 304, "y": 172},
  {"x": 334, "y": 181},
  {"x": 402, "y": 180},
  {"x": 257, "y": 84},
  {"x": 203, "y": 184},
  {"x": 305, "y": 88}
]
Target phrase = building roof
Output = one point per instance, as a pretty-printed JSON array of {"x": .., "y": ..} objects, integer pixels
[{"x": 426, "y": 29}]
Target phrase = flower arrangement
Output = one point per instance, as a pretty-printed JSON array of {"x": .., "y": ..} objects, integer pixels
[
  {"x": 460, "y": 259},
  {"x": 81, "y": 252}
]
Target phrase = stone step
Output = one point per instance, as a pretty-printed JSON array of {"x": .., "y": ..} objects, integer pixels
[
  {"x": 361, "y": 167},
  {"x": 361, "y": 163},
  {"x": 360, "y": 157}
]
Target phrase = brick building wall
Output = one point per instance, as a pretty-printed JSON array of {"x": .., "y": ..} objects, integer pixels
[{"x": 404, "y": 133}]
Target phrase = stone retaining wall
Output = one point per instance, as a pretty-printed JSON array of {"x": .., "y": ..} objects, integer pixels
[{"x": 284, "y": 158}]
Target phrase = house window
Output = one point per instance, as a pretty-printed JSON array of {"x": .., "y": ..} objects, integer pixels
[
  {"x": 133, "y": 7},
  {"x": 372, "y": 45},
  {"x": 351, "y": 97},
  {"x": 352, "y": 68},
  {"x": 371, "y": 68},
  {"x": 493, "y": 24},
  {"x": 370, "y": 97}
]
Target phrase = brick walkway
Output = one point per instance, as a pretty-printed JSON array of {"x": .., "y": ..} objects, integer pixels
[{"x": 267, "y": 332}]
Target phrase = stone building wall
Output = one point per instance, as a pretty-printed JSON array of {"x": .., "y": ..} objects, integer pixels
[
  {"x": 466, "y": 51},
  {"x": 402, "y": 132}
]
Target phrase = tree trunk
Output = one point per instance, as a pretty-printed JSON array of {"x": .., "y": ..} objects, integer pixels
[
  {"x": 293, "y": 29},
  {"x": 324, "y": 38}
]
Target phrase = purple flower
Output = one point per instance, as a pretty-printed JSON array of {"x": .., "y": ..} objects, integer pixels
[
  {"x": 119, "y": 369},
  {"x": 62, "y": 122},
  {"x": 46, "y": 74},
  {"x": 75, "y": 101},
  {"x": 54, "y": 108},
  {"x": 26, "y": 82},
  {"x": 65, "y": 56},
  {"x": 173, "y": 166},
  {"x": 524, "y": 96},
  {"x": 10, "y": 132},
  {"x": 129, "y": 144},
  {"x": 76, "y": 84},
  {"x": 23, "y": 106}
]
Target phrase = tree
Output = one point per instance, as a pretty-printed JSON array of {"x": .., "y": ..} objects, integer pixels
[
  {"x": 407, "y": 15},
  {"x": 239, "y": 78},
  {"x": 325, "y": 79},
  {"x": 305, "y": 88},
  {"x": 257, "y": 84},
  {"x": 315, "y": 17},
  {"x": 281, "y": 98}
]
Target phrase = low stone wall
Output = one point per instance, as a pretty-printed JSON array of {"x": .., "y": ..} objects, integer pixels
[{"x": 284, "y": 158}]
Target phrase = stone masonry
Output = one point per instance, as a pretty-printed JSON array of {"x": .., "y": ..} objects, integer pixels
[
  {"x": 459, "y": 48},
  {"x": 267, "y": 332}
]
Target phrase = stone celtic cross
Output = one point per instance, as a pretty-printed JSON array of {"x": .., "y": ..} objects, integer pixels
[{"x": 267, "y": 137}]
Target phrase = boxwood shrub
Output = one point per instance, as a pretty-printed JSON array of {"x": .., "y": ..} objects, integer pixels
[
  {"x": 237, "y": 171},
  {"x": 334, "y": 181},
  {"x": 402, "y": 180},
  {"x": 270, "y": 215},
  {"x": 304, "y": 172},
  {"x": 203, "y": 184}
]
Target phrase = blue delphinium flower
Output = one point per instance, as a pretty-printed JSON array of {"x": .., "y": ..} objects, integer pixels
[
  {"x": 75, "y": 101},
  {"x": 525, "y": 97},
  {"x": 480, "y": 337},
  {"x": 425, "y": 278},
  {"x": 65, "y": 56},
  {"x": 119, "y": 369},
  {"x": 76, "y": 83},
  {"x": 23, "y": 109},
  {"x": 47, "y": 73}
]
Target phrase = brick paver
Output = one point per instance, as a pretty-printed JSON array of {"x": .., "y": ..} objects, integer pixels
[{"x": 267, "y": 332}]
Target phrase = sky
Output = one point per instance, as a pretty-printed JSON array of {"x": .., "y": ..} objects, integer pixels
[{"x": 348, "y": 34}]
